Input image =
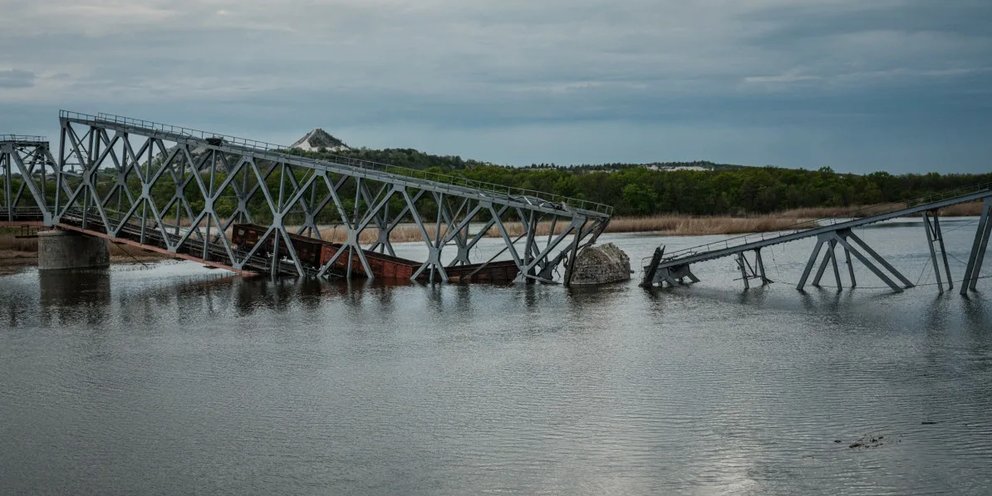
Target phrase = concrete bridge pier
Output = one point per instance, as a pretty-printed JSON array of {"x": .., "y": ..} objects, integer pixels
[{"x": 65, "y": 250}]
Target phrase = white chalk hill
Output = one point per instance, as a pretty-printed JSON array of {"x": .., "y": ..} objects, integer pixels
[{"x": 319, "y": 140}]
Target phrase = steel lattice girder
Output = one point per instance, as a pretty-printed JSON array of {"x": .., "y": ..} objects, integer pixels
[
  {"x": 26, "y": 161},
  {"x": 110, "y": 172}
]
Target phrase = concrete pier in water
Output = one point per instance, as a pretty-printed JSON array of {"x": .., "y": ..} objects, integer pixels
[{"x": 63, "y": 250}]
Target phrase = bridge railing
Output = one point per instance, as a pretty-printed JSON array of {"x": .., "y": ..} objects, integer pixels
[
  {"x": 498, "y": 190},
  {"x": 23, "y": 138},
  {"x": 807, "y": 224}
]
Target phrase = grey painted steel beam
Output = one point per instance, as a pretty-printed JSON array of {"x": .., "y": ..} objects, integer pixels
[
  {"x": 931, "y": 233},
  {"x": 979, "y": 246}
]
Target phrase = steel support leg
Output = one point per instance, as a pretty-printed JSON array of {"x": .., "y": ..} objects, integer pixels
[
  {"x": 809, "y": 264},
  {"x": 651, "y": 270},
  {"x": 931, "y": 234},
  {"x": 741, "y": 262},
  {"x": 827, "y": 257},
  {"x": 850, "y": 267},
  {"x": 833, "y": 261},
  {"x": 978, "y": 248},
  {"x": 761, "y": 267},
  {"x": 943, "y": 253}
]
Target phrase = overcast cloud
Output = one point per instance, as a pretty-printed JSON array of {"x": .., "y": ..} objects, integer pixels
[{"x": 899, "y": 85}]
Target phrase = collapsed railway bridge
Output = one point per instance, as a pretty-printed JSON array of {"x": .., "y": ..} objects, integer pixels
[{"x": 181, "y": 191}]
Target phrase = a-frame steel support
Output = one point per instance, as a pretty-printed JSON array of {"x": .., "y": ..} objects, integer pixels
[{"x": 853, "y": 245}]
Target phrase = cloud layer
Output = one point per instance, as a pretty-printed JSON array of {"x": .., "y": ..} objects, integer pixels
[{"x": 892, "y": 84}]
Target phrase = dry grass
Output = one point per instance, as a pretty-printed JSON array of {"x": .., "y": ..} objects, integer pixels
[
  {"x": 688, "y": 226},
  {"x": 10, "y": 242},
  {"x": 780, "y": 221},
  {"x": 963, "y": 209},
  {"x": 850, "y": 211}
]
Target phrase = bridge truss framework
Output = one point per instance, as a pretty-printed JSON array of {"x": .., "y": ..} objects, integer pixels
[
  {"x": 27, "y": 170},
  {"x": 112, "y": 173}
]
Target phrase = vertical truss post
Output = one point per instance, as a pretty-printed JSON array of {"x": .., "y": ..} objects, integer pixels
[
  {"x": 833, "y": 262},
  {"x": 8, "y": 203},
  {"x": 850, "y": 267},
  {"x": 760, "y": 263},
  {"x": 943, "y": 252},
  {"x": 572, "y": 253},
  {"x": 978, "y": 248},
  {"x": 59, "y": 180},
  {"x": 931, "y": 232},
  {"x": 530, "y": 246}
]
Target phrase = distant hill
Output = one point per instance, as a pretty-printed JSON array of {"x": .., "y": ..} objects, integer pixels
[
  {"x": 416, "y": 159},
  {"x": 319, "y": 140},
  {"x": 697, "y": 165}
]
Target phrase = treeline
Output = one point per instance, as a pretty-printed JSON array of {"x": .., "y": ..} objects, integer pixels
[
  {"x": 640, "y": 191},
  {"x": 634, "y": 189},
  {"x": 630, "y": 189}
]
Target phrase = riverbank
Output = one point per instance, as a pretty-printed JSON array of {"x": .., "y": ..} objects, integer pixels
[
  {"x": 18, "y": 252},
  {"x": 800, "y": 218}
]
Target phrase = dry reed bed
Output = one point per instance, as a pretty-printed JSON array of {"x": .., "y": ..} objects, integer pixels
[
  {"x": 10, "y": 242},
  {"x": 689, "y": 226},
  {"x": 963, "y": 209}
]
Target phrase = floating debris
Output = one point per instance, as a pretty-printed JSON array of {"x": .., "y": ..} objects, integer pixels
[{"x": 866, "y": 441}]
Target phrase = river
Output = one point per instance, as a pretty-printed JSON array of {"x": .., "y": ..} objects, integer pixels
[{"x": 176, "y": 379}]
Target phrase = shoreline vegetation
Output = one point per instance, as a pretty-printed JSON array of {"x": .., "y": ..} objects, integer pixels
[{"x": 16, "y": 252}]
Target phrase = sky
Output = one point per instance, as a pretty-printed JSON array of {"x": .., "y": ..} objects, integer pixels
[{"x": 895, "y": 85}]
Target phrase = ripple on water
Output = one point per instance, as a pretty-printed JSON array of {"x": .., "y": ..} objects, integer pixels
[{"x": 171, "y": 380}]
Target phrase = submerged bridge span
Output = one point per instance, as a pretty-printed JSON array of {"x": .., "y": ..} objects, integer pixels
[
  {"x": 675, "y": 267},
  {"x": 181, "y": 191}
]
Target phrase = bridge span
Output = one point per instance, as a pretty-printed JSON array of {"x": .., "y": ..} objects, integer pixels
[
  {"x": 179, "y": 191},
  {"x": 675, "y": 267}
]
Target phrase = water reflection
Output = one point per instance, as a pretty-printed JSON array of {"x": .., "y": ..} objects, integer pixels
[
  {"x": 74, "y": 288},
  {"x": 75, "y": 296}
]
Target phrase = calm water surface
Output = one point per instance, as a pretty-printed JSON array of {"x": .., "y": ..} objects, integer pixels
[{"x": 175, "y": 380}]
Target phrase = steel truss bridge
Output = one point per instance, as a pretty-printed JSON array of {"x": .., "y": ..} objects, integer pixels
[
  {"x": 674, "y": 268},
  {"x": 178, "y": 191}
]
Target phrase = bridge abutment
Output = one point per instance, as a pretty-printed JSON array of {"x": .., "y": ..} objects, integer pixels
[{"x": 64, "y": 250}]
